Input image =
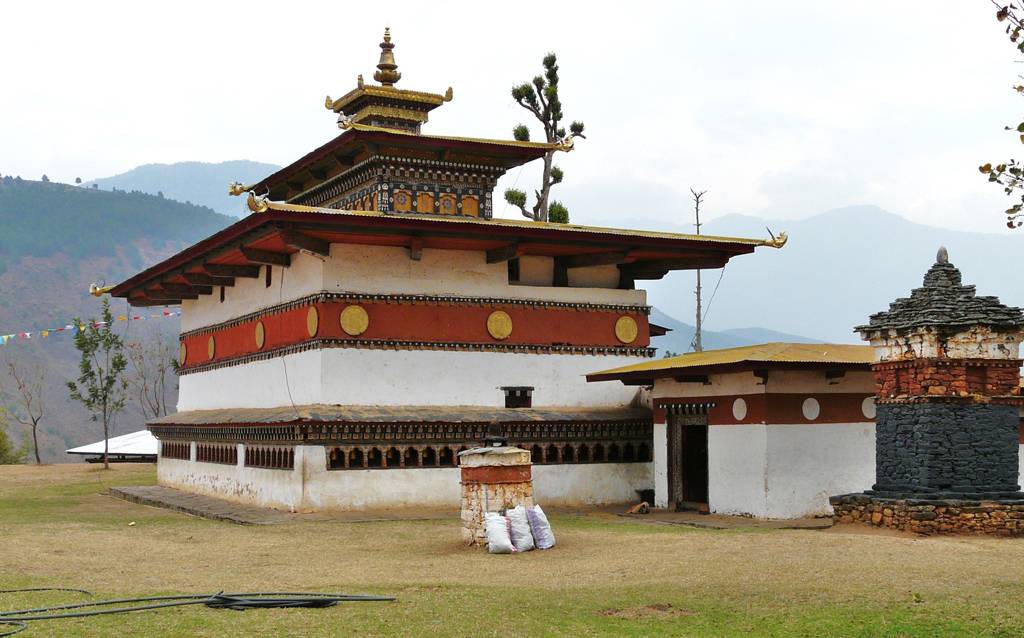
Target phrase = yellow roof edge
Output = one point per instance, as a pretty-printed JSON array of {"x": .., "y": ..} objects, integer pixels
[
  {"x": 452, "y": 219},
  {"x": 436, "y": 99},
  {"x": 772, "y": 352}
]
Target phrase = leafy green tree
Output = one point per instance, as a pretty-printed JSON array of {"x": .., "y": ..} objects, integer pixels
[
  {"x": 8, "y": 454},
  {"x": 1010, "y": 174},
  {"x": 101, "y": 387},
  {"x": 541, "y": 99}
]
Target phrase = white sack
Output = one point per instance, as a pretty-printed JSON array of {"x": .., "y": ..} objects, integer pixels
[
  {"x": 522, "y": 536},
  {"x": 498, "y": 539},
  {"x": 543, "y": 537}
]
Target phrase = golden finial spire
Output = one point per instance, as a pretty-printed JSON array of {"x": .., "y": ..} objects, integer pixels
[{"x": 387, "y": 71}]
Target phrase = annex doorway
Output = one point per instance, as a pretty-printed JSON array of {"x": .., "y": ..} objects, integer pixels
[{"x": 688, "y": 462}]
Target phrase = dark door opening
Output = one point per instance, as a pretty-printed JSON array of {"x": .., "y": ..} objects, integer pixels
[{"x": 688, "y": 463}]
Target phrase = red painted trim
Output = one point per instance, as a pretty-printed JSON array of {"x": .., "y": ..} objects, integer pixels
[
  {"x": 775, "y": 408},
  {"x": 497, "y": 474},
  {"x": 431, "y": 323}
]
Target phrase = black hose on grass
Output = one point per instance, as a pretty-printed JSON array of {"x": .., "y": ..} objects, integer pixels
[{"x": 239, "y": 602}]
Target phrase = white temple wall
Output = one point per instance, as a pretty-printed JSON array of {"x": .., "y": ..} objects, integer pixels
[
  {"x": 355, "y": 376},
  {"x": 660, "y": 465},
  {"x": 388, "y": 270},
  {"x": 737, "y": 470},
  {"x": 293, "y": 379},
  {"x": 807, "y": 463},
  {"x": 590, "y": 483},
  {"x": 310, "y": 486},
  {"x": 280, "y": 489}
]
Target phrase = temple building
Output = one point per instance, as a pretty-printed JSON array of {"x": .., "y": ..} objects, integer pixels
[
  {"x": 769, "y": 431},
  {"x": 371, "y": 318}
]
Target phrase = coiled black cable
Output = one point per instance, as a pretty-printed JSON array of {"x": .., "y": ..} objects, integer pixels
[{"x": 20, "y": 618}]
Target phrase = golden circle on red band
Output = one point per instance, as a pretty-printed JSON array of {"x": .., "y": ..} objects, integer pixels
[
  {"x": 261, "y": 335},
  {"x": 211, "y": 347},
  {"x": 499, "y": 325},
  {"x": 626, "y": 329},
  {"x": 312, "y": 321},
  {"x": 182, "y": 354},
  {"x": 354, "y": 320}
]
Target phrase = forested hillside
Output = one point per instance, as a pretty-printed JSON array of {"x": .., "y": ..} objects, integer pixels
[{"x": 56, "y": 239}]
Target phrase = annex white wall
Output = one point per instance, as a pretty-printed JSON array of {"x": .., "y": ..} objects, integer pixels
[
  {"x": 660, "y": 468},
  {"x": 807, "y": 463},
  {"x": 355, "y": 376},
  {"x": 737, "y": 470}
]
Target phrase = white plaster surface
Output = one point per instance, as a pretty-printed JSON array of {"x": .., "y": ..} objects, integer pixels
[
  {"x": 787, "y": 471},
  {"x": 979, "y": 342},
  {"x": 312, "y": 487},
  {"x": 660, "y": 465},
  {"x": 353, "y": 376},
  {"x": 388, "y": 270}
]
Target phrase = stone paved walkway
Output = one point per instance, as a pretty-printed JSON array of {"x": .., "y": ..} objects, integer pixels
[{"x": 223, "y": 510}]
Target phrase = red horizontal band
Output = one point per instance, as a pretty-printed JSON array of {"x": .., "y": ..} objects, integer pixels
[{"x": 497, "y": 474}]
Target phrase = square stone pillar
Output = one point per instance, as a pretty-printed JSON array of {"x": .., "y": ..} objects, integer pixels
[{"x": 493, "y": 479}]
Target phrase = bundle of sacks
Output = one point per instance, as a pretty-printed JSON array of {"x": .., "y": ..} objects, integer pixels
[{"x": 520, "y": 529}]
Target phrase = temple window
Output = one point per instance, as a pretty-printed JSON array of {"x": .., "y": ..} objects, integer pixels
[
  {"x": 613, "y": 453},
  {"x": 217, "y": 453},
  {"x": 598, "y": 453},
  {"x": 568, "y": 454},
  {"x": 513, "y": 270},
  {"x": 402, "y": 201},
  {"x": 537, "y": 454},
  {"x": 393, "y": 458},
  {"x": 270, "y": 458},
  {"x": 518, "y": 396},
  {"x": 356, "y": 459},
  {"x": 447, "y": 204},
  {"x": 429, "y": 457},
  {"x": 176, "y": 450},
  {"x": 411, "y": 458},
  {"x": 628, "y": 453},
  {"x": 470, "y": 205},
  {"x": 374, "y": 458},
  {"x": 447, "y": 457},
  {"x": 551, "y": 455},
  {"x": 424, "y": 202}
]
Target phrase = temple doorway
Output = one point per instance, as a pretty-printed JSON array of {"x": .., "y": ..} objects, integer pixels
[{"x": 688, "y": 462}]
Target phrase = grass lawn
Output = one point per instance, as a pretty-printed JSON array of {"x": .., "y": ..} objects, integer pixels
[{"x": 606, "y": 577}]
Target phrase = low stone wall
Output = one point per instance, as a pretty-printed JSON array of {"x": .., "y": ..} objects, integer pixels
[{"x": 1003, "y": 518}]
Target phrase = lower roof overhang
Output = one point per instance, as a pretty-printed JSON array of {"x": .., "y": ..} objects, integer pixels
[{"x": 700, "y": 373}]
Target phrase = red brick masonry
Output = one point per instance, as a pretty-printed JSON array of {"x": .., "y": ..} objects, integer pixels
[{"x": 947, "y": 377}]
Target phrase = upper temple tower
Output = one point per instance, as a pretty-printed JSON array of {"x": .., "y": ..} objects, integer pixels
[{"x": 382, "y": 161}]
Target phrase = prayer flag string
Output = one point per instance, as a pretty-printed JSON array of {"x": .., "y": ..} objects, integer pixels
[{"x": 72, "y": 328}]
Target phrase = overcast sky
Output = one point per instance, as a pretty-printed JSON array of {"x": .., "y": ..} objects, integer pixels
[{"x": 780, "y": 109}]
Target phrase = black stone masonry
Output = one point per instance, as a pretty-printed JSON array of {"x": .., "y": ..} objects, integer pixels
[{"x": 946, "y": 451}]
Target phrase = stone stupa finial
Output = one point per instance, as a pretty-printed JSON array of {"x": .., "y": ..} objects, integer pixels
[{"x": 943, "y": 256}]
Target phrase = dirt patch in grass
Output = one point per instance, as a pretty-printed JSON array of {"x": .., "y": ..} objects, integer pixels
[{"x": 656, "y": 610}]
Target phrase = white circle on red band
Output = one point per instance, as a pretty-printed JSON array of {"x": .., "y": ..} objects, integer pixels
[
  {"x": 867, "y": 407},
  {"x": 739, "y": 409},
  {"x": 811, "y": 408}
]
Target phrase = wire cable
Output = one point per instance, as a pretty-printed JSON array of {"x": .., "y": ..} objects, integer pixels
[{"x": 20, "y": 618}]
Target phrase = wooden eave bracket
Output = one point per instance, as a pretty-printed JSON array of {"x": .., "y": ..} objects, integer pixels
[
  {"x": 258, "y": 256},
  {"x": 301, "y": 241},
  {"x": 416, "y": 248},
  {"x": 503, "y": 253},
  {"x": 231, "y": 270}
]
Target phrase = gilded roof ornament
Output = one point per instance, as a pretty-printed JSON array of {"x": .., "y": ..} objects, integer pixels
[
  {"x": 776, "y": 241},
  {"x": 345, "y": 122},
  {"x": 236, "y": 188},
  {"x": 448, "y": 95},
  {"x": 387, "y": 70},
  {"x": 257, "y": 204}
]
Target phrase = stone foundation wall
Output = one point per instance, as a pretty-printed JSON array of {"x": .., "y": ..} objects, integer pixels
[
  {"x": 946, "y": 449},
  {"x": 1002, "y": 518},
  {"x": 493, "y": 479}
]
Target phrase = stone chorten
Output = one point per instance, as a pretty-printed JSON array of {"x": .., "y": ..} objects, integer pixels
[
  {"x": 947, "y": 365},
  {"x": 947, "y": 373}
]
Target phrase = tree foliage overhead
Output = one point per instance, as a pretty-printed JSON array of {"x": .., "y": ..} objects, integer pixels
[
  {"x": 540, "y": 98},
  {"x": 1010, "y": 174}
]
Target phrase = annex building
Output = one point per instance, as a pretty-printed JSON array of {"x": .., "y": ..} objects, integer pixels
[{"x": 371, "y": 318}]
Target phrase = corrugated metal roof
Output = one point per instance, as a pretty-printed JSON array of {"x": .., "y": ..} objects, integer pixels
[
  {"x": 765, "y": 353},
  {"x": 396, "y": 414},
  {"x": 141, "y": 443}
]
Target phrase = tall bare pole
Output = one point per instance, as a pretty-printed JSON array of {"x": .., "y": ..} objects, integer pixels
[{"x": 698, "y": 346}]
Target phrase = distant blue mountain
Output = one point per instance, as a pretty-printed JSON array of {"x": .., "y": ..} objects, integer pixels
[
  {"x": 679, "y": 340},
  {"x": 199, "y": 183}
]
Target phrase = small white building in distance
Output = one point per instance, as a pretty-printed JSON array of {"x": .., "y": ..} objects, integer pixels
[{"x": 769, "y": 431}]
